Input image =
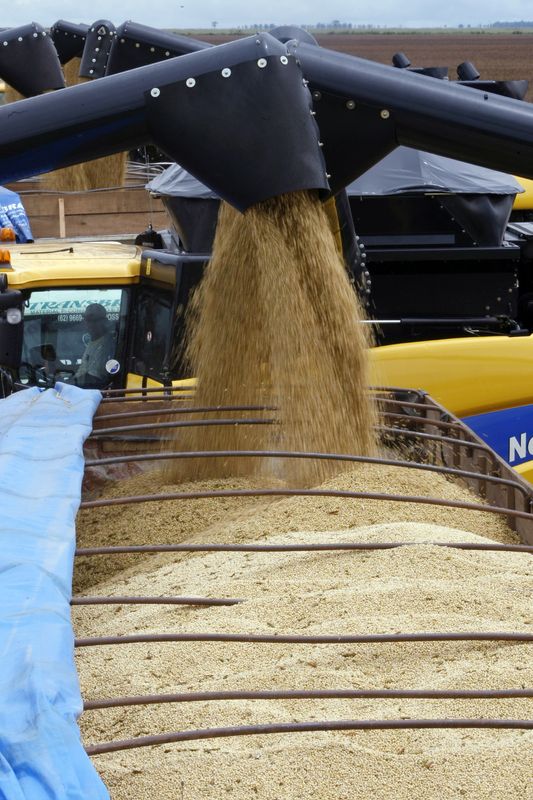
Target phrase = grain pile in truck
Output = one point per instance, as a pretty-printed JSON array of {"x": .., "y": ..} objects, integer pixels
[{"x": 421, "y": 587}]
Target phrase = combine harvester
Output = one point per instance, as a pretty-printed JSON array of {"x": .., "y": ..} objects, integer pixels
[{"x": 293, "y": 117}]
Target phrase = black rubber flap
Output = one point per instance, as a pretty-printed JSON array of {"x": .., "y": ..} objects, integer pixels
[
  {"x": 246, "y": 132},
  {"x": 69, "y": 39},
  {"x": 100, "y": 37},
  {"x": 29, "y": 61},
  {"x": 136, "y": 45},
  {"x": 355, "y": 136},
  {"x": 195, "y": 221}
]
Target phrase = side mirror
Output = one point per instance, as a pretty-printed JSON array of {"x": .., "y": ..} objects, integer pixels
[{"x": 11, "y": 328}]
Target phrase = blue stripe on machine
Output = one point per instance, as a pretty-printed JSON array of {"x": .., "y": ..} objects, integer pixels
[{"x": 508, "y": 431}]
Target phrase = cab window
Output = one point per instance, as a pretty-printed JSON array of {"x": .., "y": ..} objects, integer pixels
[{"x": 76, "y": 336}]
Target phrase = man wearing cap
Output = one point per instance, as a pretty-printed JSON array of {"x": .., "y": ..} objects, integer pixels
[{"x": 92, "y": 373}]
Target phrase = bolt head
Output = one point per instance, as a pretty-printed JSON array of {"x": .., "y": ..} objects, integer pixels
[
  {"x": 155, "y": 92},
  {"x": 261, "y": 63},
  {"x": 384, "y": 114},
  {"x": 190, "y": 83}
]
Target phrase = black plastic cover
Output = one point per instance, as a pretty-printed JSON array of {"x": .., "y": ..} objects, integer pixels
[
  {"x": 136, "y": 45},
  {"x": 100, "y": 37},
  {"x": 68, "y": 39},
  {"x": 258, "y": 109},
  {"x": 194, "y": 220},
  {"x": 29, "y": 61},
  {"x": 483, "y": 217}
]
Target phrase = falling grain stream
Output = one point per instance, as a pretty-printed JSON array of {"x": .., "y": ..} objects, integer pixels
[{"x": 341, "y": 641}]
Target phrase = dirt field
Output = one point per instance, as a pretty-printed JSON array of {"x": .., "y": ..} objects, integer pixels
[{"x": 497, "y": 57}]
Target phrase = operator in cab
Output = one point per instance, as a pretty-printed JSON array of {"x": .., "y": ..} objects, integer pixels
[{"x": 92, "y": 372}]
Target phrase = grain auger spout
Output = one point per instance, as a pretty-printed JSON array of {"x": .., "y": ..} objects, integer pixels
[
  {"x": 240, "y": 118},
  {"x": 364, "y": 110},
  {"x": 237, "y": 116},
  {"x": 29, "y": 61}
]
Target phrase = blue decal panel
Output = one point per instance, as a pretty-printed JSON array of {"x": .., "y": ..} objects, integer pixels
[
  {"x": 509, "y": 432},
  {"x": 13, "y": 215}
]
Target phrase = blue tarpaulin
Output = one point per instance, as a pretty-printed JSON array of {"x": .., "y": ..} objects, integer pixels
[
  {"x": 13, "y": 215},
  {"x": 41, "y": 469}
]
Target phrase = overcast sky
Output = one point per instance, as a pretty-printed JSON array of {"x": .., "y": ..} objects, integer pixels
[{"x": 202, "y": 13}]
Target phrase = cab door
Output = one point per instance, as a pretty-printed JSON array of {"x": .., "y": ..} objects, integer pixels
[{"x": 167, "y": 283}]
